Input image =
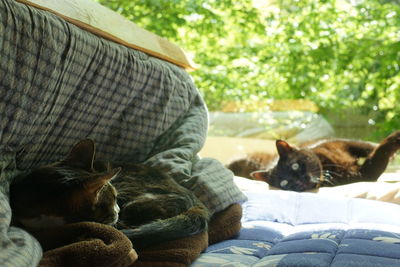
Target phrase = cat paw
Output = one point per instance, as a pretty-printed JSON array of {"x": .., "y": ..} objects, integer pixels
[
  {"x": 390, "y": 144},
  {"x": 394, "y": 138}
]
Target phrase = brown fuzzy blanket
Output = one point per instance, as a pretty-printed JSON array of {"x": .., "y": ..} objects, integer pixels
[
  {"x": 85, "y": 244},
  {"x": 93, "y": 244},
  {"x": 182, "y": 252}
]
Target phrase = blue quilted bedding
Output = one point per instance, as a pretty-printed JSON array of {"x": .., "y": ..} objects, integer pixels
[{"x": 282, "y": 228}]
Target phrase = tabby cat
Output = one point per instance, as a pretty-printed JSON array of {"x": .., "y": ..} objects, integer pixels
[
  {"x": 321, "y": 163},
  {"x": 144, "y": 203}
]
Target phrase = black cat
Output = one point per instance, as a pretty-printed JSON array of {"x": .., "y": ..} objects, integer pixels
[
  {"x": 321, "y": 163},
  {"x": 144, "y": 203}
]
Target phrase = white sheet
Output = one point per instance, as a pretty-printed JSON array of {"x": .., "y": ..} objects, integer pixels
[{"x": 297, "y": 209}]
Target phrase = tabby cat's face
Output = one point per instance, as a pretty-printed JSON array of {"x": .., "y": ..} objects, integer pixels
[
  {"x": 65, "y": 192},
  {"x": 296, "y": 170},
  {"x": 106, "y": 209}
]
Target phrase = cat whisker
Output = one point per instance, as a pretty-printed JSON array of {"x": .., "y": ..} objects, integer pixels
[
  {"x": 323, "y": 181},
  {"x": 331, "y": 164},
  {"x": 329, "y": 172},
  {"x": 334, "y": 165},
  {"x": 329, "y": 182},
  {"x": 316, "y": 180},
  {"x": 327, "y": 178}
]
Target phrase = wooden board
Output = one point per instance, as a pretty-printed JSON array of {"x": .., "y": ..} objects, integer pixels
[{"x": 106, "y": 23}]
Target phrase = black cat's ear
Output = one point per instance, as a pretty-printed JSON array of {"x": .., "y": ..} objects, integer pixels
[
  {"x": 94, "y": 185},
  {"x": 283, "y": 148},
  {"x": 261, "y": 175},
  {"x": 82, "y": 155}
]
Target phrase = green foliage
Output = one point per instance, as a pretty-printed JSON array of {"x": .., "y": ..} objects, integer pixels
[{"x": 341, "y": 54}]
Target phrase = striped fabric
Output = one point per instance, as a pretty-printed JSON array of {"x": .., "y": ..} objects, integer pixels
[{"x": 60, "y": 84}]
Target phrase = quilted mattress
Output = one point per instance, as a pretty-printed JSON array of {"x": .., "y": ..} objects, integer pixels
[{"x": 282, "y": 228}]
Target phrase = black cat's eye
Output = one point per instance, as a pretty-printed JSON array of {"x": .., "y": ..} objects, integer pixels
[{"x": 295, "y": 166}]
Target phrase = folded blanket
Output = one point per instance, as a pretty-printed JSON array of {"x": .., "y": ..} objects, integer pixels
[
  {"x": 225, "y": 224},
  {"x": 89, "y": 243},
  {"x": 182, "y": 252},
  {"x": 85, "y": 244},
  {"x": 380, "y": 190},
  {"x": 174, "y": 253}
]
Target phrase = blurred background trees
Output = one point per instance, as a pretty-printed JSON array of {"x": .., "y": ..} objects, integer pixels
[{"x": 344, "y": 55}]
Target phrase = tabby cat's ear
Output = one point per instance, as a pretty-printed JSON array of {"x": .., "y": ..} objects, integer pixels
[
  {"x": 283, "y": 148},
  {"x": 261, "y": 175},
  {"x": 82, "y": 155},
  {"x": 94, "y": 185}
]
